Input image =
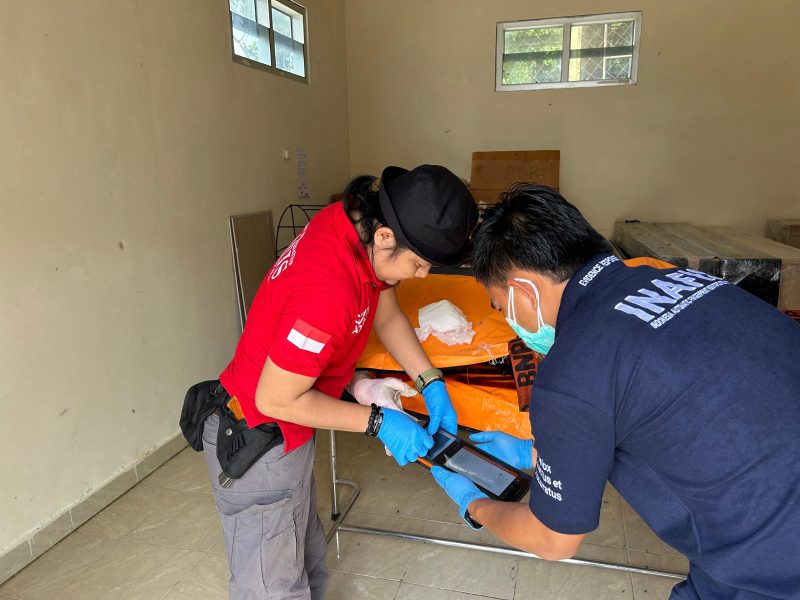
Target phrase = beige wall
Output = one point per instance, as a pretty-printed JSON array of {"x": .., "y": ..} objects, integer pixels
[
  {"x": 709, "y": 134},
  {"x": 127, "y": 136}
]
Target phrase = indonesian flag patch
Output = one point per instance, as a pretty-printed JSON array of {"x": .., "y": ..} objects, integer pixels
[{"x": 308, "y": 338}]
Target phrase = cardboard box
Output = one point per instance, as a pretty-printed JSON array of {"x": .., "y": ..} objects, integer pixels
[
  {"x": 766, "y": 268},
  {"x": 493, "y": 172}
]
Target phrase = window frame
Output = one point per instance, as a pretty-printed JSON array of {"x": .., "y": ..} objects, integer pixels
[
  {"x": 302, "y": 10},
  {"x": 567, "y": 23}
]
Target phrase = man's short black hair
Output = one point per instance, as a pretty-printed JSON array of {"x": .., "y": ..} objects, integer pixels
[{"x": 535, "y": 229}]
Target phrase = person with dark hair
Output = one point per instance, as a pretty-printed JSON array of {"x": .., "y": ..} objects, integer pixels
[
  {"x": 679, "y": 388},
  {"x": 305, "y": 330}
]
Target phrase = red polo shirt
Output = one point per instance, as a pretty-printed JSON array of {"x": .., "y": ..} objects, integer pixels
[{"x": 312, "y": 316}]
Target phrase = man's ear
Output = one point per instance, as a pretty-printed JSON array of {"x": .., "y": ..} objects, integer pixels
[
  {"x": 523, "y": 290},
  {"x": 384, "y": 239}
]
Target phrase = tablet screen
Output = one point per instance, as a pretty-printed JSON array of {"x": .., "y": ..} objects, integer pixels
[{"x": 484, "y": 473}]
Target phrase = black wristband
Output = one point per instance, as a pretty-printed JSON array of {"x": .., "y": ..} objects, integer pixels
[{"x": 375, "y": 421}]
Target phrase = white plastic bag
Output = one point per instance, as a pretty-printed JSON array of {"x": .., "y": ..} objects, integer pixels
[{"x": 446, "y": 322}]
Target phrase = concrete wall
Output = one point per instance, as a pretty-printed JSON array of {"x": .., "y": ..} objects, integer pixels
[
  {"x": 708, "y": 135},
  {"x": 127, "y": 137}
]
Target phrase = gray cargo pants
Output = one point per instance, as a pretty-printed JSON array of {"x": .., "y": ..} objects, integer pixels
[{"x": 273, "y": 536}]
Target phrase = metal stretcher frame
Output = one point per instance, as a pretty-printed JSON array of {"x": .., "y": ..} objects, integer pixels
[{"x": 338, "y": 516}]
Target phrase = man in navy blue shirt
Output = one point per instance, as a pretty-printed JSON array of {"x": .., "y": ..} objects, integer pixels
[{"x": 679, "y": 388}]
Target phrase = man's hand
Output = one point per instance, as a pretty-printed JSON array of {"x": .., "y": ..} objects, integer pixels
[
  {"x": 440, "y": 408},
  {"x": 460, "y": 489},
  {"x": 513, "y": 450},
  {"x": 403, "y": 436}
]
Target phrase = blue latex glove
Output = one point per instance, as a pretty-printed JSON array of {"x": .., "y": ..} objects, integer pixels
[
  {"x": 403, "y": 436},
  {"x": 460, "y": 489},
  {"x": 440, "y": 408},
  {"x": 513, "y": 450}
]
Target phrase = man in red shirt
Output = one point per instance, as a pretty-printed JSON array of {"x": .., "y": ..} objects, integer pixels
[{"x": 306, "y": 328}]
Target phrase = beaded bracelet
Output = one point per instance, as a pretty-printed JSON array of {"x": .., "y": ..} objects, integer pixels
[{"x": 375, "y": 421}]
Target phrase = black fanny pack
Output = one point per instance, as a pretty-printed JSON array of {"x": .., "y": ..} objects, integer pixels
[
  {"x": 201, "y": 400},
  {"x": 238, "y": 446}
]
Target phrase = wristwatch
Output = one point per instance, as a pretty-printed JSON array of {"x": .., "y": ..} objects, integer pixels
[
  {"x": 427, "y": 377},
  {"x": 471, "y": 522}
]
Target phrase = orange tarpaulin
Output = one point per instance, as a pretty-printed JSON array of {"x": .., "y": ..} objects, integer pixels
[
  {"x": 482, "y": 407},
  {"x": 484, "y": 404},
  {"x": 491, "y": 330},
  {"x": 650, "y": 262}
]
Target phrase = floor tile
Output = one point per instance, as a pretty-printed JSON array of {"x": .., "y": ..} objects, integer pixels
[
  {"x": 409, "y": 591},
  {"x": 359, "y": 449},
  {"x": 661, "y": 562},
  {"x": 461, "y": 533},
  {"x": 131, "y": 571},
  {"x": 648, "y": 587},
  {"x": 346, "y": 586},
  {"x": 163, "y": 540},
  {"x": 160, "y": 455},
  {"x": 640, "y": 536},
  {"x": 186, "y": 471},
  {"x": 442, "y": 508},
  {"x": 217, "y": 545},
  {"x": 206, "y": 580},
  {"x": 393, "y": 491},
  {"x": 58, "y": 567},
  {"x": 376, "y": 556},
  {"x": 159, "y": 516},
  {"x": 461, "y": 570},
  {"x": 602, "y": 553},
  {"x": 559, "y": 581},
  {"x": 610, "y": 531},
  {"x": 322, "y": 477}
]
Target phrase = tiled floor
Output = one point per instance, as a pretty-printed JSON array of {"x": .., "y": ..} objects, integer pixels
[{"x": 162, "y": 541}]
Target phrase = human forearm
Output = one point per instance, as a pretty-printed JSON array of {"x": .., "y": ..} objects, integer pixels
[
  {"x": 517, "y": 526},
  {"x": 399, "y": 338},
  {"x": 315, "y": 409}
]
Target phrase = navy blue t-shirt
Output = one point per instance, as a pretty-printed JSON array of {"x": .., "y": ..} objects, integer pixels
[{"x": 683, "y": 391}]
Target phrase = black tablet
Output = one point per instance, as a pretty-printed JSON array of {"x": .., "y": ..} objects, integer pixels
[{"x": 495, "y": 478}]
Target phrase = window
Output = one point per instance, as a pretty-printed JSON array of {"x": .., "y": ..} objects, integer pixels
[
  {"x": 270, "y": 34},
  {"x": 569, "y": 52}
]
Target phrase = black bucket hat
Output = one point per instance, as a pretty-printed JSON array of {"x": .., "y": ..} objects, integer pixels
[{"x": 430, "y": 211}]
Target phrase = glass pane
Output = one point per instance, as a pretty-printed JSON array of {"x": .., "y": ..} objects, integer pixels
[
  {"x": 289, "y": 54},
  {"x": 282, "y": 23},
  {"x": 298, "y": 30},
  {"x": 250, "y": 40},
  {"x": 245, "y": 8},
  {"x": 532, "y": 55},
  {"x": 262, "y": 11},
  {"x": 587, "y": 36},
  {"x": 620, "y": 34},
  {"x": 589, "y": 68},
  {"x": 618, "y": 67},
  {"x": 601, "y": 51}
]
